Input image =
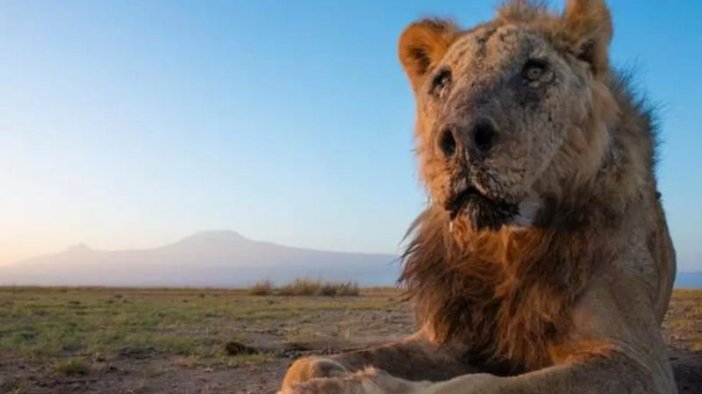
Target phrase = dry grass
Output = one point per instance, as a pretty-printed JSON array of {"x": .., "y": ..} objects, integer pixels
[
  {"x": 306, "y": 287},
  {"x": 71, "y": 367},
  {"x": 262, "y": 288},
  {"x": 146, "y": 340},
  {"x": 58, "y": 324},
  {"x": 683, "y": 323}
]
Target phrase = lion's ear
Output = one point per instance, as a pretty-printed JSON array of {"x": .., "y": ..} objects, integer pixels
[
  {"x": 422, "y": 44},
  {"x": 588, "y": 26}
]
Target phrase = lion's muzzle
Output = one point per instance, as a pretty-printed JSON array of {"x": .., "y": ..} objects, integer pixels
[{"x": 482, "y": 211}]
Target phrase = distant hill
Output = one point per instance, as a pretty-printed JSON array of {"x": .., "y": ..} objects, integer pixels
[
  {"x": 214, "y": 258},
  {"x": 689, "y": 280}
]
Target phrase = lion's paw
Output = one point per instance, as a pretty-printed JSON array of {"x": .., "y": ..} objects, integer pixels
[
  {"x": 308, "y": 368},
  {"x": 368, "y": 381}
]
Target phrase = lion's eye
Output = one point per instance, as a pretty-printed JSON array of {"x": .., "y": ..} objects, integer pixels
[
  {"x": 441, "y": 81},
  {"x": 534, "y": 70}
]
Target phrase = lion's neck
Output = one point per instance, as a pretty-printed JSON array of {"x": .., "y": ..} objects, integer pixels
[{"x": 506, "y": 294}]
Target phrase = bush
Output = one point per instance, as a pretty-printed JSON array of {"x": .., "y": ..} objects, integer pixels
[
  {"x": 306, "y": 287},
  {"x": 262, "y": 288},
  {"x": 300, "y": 287},
  {"x": 348, "y": 289}
]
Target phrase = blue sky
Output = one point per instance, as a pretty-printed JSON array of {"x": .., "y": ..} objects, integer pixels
[{"x": 129, "y": 124}]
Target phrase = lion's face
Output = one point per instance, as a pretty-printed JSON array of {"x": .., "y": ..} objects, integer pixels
[{"x": 506, "y": 119}]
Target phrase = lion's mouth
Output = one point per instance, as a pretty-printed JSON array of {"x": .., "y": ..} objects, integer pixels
[
  {"x": 482, "y": 211},
  {"x": 460, "y": 200}
]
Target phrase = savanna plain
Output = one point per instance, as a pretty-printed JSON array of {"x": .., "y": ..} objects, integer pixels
[{"x": 118, "y": 340}]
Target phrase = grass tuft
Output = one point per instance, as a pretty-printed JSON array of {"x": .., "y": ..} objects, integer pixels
[
  {"x": 262, "y": 288},
  {"x": 306, "y": 287},
  {"x": 234, "y": 348},
  {"x": 71, "y": 367}
]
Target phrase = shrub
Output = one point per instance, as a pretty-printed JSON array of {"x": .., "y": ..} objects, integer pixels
[
  {"x": 262, "y": 288},
  {"x": 306, "y": 287},
  {"x": 301, "y": 287}
]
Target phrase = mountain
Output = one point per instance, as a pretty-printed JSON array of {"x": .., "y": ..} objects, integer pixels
[
  {"x": 689, "y": 280},
  {"x": 213, "y": 258}
]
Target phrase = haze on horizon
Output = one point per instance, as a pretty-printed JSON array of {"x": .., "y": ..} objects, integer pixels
[{"x": 129, "y": 125}]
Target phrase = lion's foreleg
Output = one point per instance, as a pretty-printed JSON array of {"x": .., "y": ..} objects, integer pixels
[
  {"x": 603, "y": 373},
  {"x": 367, "y": 381},
  {"x": 414, "y": 358},
  {"x": 610, "y": 374}
]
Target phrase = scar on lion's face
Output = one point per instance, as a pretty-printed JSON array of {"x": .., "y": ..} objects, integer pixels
[{"x": 497, "y": 106}]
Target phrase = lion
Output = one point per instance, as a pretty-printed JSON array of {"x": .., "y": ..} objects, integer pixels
[{"x": 543, "y": 261}]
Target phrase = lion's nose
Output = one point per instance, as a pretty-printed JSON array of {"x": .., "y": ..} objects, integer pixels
[
  {"x": 447, "y": 142},
  {"x": 478, "y": 140},
  {"x": 483, "y": 138}
]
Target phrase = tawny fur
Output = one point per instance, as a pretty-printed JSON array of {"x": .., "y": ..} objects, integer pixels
[{"x": 568, "y": 300}]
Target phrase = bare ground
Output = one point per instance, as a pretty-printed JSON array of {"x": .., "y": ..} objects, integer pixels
[{"x": 299, "y": 326}]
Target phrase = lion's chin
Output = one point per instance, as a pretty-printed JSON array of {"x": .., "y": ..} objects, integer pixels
[
  {"x": 485, "y": 214},
  {"x": 482, "y": 212}
]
